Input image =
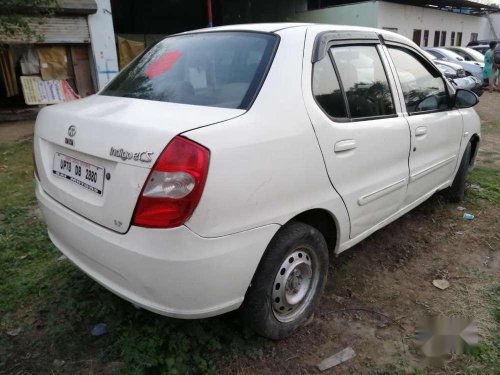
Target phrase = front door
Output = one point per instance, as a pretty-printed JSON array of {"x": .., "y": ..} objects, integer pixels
[
  {"x": 436, "y": 128},
  {"x": 362, "y": 133}
]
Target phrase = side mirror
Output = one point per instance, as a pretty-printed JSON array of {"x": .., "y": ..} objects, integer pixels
[{"x": 465, "y": 99}]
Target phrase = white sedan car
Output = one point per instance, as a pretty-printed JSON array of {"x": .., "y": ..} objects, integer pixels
[
  {"x": 225, "y": 167},
  {"x": 473, "y": 68}
]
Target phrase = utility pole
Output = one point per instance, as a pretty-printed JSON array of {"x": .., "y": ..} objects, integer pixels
[{"x": 209, "y": 13}]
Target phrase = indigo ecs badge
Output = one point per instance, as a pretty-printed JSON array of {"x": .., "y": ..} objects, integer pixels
[{"x": 144, "y": 156}]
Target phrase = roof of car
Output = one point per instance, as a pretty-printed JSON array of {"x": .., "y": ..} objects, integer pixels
[
  {"x": 262, "y": 27},
  {"x": 277, "y": 26}
]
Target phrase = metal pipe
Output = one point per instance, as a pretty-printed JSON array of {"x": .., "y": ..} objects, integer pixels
[{"x": 209, "y": 13}]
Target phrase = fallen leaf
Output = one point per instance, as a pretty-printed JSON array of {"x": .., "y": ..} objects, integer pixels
[
  {"x": 14, "y": 332},
  {"x": 441, "y": 284}
]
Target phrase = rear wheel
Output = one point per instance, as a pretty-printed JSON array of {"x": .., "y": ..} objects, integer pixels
[
  {"x": 288, "y": 282},
  {"x": 456, "y": 191}
]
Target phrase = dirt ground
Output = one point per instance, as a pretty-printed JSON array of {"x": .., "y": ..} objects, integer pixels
[
  {"x": 391, "y": 273},
  {"x": 13, "y": 131}
]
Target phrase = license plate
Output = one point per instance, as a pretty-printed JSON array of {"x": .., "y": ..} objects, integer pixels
[{"x": 86, "y": 175}]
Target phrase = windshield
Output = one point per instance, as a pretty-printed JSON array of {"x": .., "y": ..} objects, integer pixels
[
  {"x": 453, "y": 55},
  {"x": 478, "y": 56},
  {"x": 436, "y": 54},
  {"x": 218, "y": 69}
]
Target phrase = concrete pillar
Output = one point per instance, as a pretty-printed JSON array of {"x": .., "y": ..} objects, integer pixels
[{"x": 102, "y": 39}]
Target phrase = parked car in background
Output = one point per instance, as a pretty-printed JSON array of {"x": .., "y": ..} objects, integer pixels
[
  {"x": 471, "y": 68},
  {"x": 469, "y": 54},
  {"x": 474, "y": 43},
  {"x": 481, "y": 48},
  {"x": 457, "y": 76},
  {"x": 482, "y": 45},
  {"x": 224, "y": 167}
]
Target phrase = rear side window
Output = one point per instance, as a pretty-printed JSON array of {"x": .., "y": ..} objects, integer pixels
[
  {"x": 364, "y": 81},
  {"x": 217, "y": 69},
  {"x": 357, "y": 88},
  {"x": 326, "y": 89},
  {"x": 423, "y": 88}
]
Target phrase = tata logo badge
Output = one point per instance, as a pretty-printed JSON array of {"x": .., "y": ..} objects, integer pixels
[{"x": 71, "y": 133}]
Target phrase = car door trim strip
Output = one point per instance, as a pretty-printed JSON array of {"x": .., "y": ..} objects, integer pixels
[
  {"x": 365, "y": 199},
  {"x": 432, "y": 168}
]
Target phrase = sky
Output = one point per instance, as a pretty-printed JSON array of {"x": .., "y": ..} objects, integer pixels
[{"x": 493, "y": 2}]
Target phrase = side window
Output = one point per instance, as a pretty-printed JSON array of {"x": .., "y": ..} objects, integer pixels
[
  {"x": 364, "y": 81},
  {"x": 326, "y": 89},
  {"x": 423, "y": 90}
]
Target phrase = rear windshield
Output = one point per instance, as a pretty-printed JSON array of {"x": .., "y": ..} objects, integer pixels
[{"x": 217, "y": 69}]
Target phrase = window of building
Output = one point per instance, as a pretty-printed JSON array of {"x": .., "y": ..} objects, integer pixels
[
  {"x": 443, "y": 38},
  {"x": 473, "y": 37},
  {"x": 437, "y": 35},
  {"x": 417, "y": 36},
  {"x": 423, "y": 88},
  {"x": 364, "y": 81},
  {"x": 459, "y": 40},
  {"x": 452, "y": 39},
  {"x": 426, "y": 38}
]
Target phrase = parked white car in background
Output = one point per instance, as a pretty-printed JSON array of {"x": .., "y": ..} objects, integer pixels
[
  {"x": 473, "y": 68},
  {"x": 456, "y": 75},
  {"x": 468, "y": 54},
  {"x": 224, "y": 167}
]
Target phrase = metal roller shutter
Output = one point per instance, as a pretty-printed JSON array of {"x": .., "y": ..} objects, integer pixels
[{"x": 56, "y": 29}]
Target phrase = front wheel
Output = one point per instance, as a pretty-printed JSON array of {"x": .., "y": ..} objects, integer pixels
[{"x": 288, "y": 282}]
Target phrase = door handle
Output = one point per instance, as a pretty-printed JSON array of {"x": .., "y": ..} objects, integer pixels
[
  {"x": 421, "y": 130},
  {"x": 345, "y": 145}
]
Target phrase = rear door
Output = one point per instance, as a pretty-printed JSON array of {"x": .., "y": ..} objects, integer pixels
[
  {"x": 362, "y": 133},
  {"x": 436, "y": 128}
]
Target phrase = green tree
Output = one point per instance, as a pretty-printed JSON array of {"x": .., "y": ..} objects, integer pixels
[{"x": 15, "y": 14}]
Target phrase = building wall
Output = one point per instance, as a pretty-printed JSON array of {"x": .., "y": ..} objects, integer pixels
[
  {"x": 491, "y": 31},
  {"x": 406, "y": 18},
  {"x": 361, "y": 14}
]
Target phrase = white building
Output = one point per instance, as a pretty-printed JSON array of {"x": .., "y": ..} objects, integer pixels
[
  {"x": 434, "y": 23},
  {"x": 427, "y": 22}
]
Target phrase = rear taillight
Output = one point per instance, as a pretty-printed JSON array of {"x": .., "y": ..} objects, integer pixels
[{"x": 174, "y": 185}]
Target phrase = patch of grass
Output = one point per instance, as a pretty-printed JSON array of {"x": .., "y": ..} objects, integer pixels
[
  {"x": 489, "y": 181},
  {"x": 485, "y": 358},
  {"x": 16, "y": 174},
  {"x": 55, "y": 304}
]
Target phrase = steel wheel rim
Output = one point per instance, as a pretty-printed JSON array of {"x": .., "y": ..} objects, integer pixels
[{"x": 294, "y": 284}]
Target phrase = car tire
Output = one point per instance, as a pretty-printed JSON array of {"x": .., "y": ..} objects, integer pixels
[
  {"x": 456, "y": 191},
  {"x": 288, "y": 282}
]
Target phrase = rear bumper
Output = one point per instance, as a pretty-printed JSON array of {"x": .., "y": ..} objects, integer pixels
[{"x": 173, "y": 272}]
